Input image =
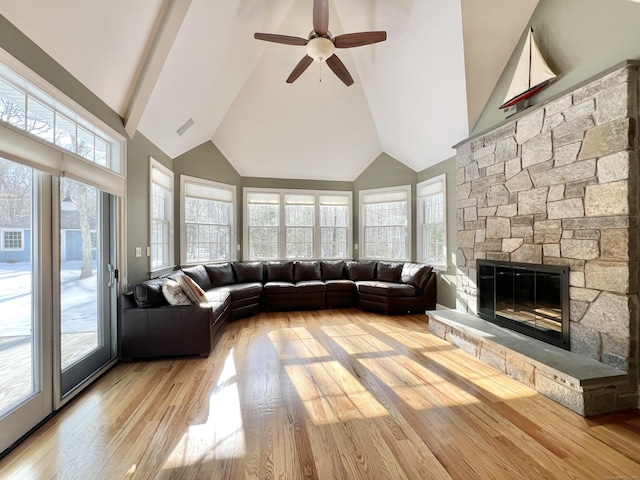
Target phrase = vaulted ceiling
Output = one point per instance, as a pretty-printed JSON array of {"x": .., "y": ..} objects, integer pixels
[{"x": 159, "y": 63}]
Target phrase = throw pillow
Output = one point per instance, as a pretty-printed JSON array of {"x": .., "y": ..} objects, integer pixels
[
  {"x": 192, "y": 289},
  {"x": 173, "y": 293}
]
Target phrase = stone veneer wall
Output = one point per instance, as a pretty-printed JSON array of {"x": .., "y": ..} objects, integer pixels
[{"x": 559, "y": 185}]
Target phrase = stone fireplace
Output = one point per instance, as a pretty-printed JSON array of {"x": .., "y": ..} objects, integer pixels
[{"x": 557, "y": 184}]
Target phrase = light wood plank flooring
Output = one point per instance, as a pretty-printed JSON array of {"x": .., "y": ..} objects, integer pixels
[{"x": 337, "y": 394}]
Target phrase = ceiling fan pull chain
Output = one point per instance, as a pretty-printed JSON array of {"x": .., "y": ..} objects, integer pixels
[{"x": 320, "y": 72}]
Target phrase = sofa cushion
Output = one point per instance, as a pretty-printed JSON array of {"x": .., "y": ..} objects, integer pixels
[
  {"x": 343, "y": 285},
  {"x": 199, "y": 275},
  {"x": 389, "y": 272},
  {"x": 365, "y": 270},
  {"x": 239, "y": 291},
  {"x": 149, "y": 294},
  {"x": 386, "y": 289},
  {"x": 192, "y": 289},
  {"x": 279, "y": 287},
  {"x": 220, "y": 274},
  {"x": 280, "y": 272},
  {"x": 173, "y": 293},
  {"x": 311, "y": 286},
  {"x": 332, "y": 270},
  {"x": 304, "y": 271},
  {"x": 248, "y": 272},
  {"x": 415, "y": 274}
]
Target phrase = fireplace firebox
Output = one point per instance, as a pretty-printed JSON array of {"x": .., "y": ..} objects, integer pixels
[{"x": 529, "y": 298}]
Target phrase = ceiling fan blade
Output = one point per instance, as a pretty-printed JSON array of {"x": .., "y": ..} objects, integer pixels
[
  {"x": 275, "y": 38},
  {"x": 358, "y": 39},
  {"x": 301, "y": 67},
  {"x": 321, "y": 17},
  {"x": 339, "y": 69}
]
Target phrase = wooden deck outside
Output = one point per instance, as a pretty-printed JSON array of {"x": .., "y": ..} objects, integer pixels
[
  {"x": 337, "y": 394},
  {"x": 16, "y": 368}
]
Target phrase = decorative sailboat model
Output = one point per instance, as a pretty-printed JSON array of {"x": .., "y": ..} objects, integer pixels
[{"x": 532, "y": 74}]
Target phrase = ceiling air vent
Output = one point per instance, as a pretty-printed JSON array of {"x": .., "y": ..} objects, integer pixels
[{"x": 187, "y": 125}]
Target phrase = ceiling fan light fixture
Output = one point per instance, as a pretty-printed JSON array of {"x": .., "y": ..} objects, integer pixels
[{"x": 320, "y": 48}]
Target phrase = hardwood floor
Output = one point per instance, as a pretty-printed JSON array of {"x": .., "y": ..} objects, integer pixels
[{"x": 337, "y": 394}]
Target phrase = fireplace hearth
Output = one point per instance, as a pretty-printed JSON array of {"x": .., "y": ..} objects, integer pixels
[{"x": 528, "y": 298}]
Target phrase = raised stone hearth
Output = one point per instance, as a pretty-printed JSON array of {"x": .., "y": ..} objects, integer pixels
[
  {"x": 583, "y": 385},
  {"x": 557, "y": 184}
]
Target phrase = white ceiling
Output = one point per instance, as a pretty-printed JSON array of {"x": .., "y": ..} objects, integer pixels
[{"x": 412, "y": 96}]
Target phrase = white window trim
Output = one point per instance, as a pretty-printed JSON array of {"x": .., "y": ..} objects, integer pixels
[
  {"x": 401, "y": 188},
  {"x": 441, "y": 179},
  {"x": 184, "y": 179},
  {"x": 10, "y": 230},
  {"x": 155, "y": 271},
  {"x": 281, "y": 227}
]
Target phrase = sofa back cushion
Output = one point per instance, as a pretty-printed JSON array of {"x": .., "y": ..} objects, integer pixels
[
  {"x": 149, "y": 294},
  {"x": 332, "y": 270},
  {"x": 220, "y": 274},
  {"x": 389, "y": 272},
  {"x": 416, "y": 274},
  {"x": 249, "y": 272},
  {"x": 305, "y": 271},
  {"x": 199, "y": 275},
  {"x": 365, "y": 270},
  {"x": 280, "y": 272}
]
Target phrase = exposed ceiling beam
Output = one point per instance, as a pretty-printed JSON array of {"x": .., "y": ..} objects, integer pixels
[{"x": 170, "y": 21}]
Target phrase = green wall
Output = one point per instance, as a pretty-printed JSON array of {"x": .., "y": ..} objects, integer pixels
[
  {"x": 447, "y": 280},
  {"x": 579, "y": 39},
  {"x": 139, "y": 149},
  {"x": 384, "y": 171}
]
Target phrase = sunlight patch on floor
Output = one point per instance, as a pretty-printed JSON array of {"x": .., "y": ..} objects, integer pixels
[{"x": 221, "y": 435}]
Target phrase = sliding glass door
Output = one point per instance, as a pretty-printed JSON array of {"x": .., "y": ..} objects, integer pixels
[
  {"x": 25, "y": 291},
  {"x": 87, "y": 281}
]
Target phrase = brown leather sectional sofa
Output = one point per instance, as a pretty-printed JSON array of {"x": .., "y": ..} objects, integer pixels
[{"x": 150, "y": 327}]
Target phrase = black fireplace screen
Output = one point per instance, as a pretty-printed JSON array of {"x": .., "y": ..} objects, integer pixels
[{"x": 528, "y": 298}]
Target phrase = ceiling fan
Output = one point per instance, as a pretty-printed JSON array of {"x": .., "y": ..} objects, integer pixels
[{"x": 321, "y": 45}]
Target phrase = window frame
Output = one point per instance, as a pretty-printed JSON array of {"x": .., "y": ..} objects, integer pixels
[
  {"x": 169, "y": 217},
  {"x": 3, "y": 244},
  {"x": 282, "y": 225},
  {"x": 184, "y": 180},
  {"x": 402, "y": 189},
  {"x": 440, "y": 182}
]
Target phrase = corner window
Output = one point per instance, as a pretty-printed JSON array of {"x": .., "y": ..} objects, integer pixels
[
  {"x": 385, "y": 226},
  {"x": 432, "y": 228},
  {"x": 161, "y": 216},
  {"x": 12, "y": 240},
  {"x": 297, "y": 224},
  {"x": 208, "y": 220}
]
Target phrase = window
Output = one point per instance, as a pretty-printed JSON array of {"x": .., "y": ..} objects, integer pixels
[
  {"x": 208, "y": 220},
  {"x": 334, "y": 226},
  {"x": 264, "y": 224},
  {"x": 432, "y": 229},
  {"x": 297, "y": 224},
  {"x": 28, "y": 108},
  {"x": 161, "y": 216},
  {"x": 12, "y": 240},
  {"x": 385, "y": 223}
]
